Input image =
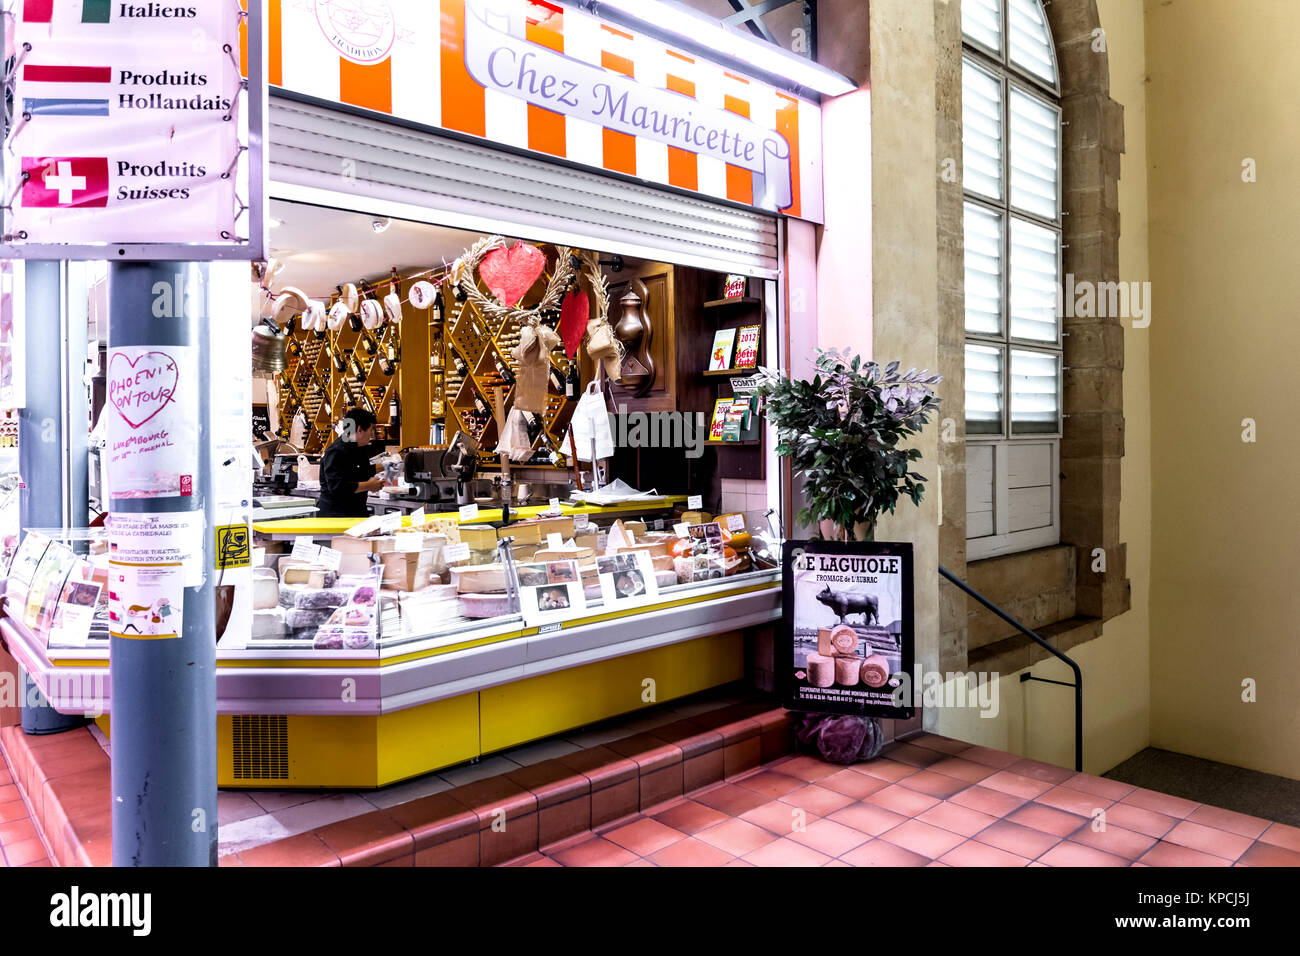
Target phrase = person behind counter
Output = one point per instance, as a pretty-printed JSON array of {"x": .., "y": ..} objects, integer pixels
[{"x": 346, "y": 474}]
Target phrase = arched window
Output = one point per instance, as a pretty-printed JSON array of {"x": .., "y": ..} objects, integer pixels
[{"x": 1011, "y": 122}]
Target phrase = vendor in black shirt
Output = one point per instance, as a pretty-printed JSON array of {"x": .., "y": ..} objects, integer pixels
[{"x": 346, "y": 474}]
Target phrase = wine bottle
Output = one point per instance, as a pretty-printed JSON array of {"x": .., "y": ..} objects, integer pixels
[
  {"x": 534, "y": 425},
  {"x": 503, "y": 370},
  {"x": 461, "y": 368},
  {"x": 369, "y": 344},
  {"x": 557, "y": 380},
  {"x": 572, "y": 382}
]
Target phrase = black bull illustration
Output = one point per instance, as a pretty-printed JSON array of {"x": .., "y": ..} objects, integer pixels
[{"x": 844, "y": 604}]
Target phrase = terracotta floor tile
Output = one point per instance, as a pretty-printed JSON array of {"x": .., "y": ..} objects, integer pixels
[
  {"x": 551, "y": 782},
  {"x": 8, "y": 793},
  {"x": 17, "y": 831},
  {"x": 1136, "y": 818},
  {"x": 993, "y": 802},
  {"x": 1020, "y": 840},
  {"x": 1238, "y": 823},
  {"x": 882, "y": 853},
  {"x": 808, "y": 768},
  {"x": 594, "y": 852},
  {"x": 24, "y": 852},
  {"x": 639, "y": 862},
  {"x": 889, "y": 770},
  {"x": 561, "y": 820},
  {"x": 367, "y": 840},
  {"x": 778, "y": 818},
  {"x": 690, "y": 852},
  {"x": 1279, "y": 834},
  {"x": 1101, "y": 786},
  {"x": 867, "y": 818},
  {"x": 534, "y": 857},
  {"x": 967, "y": 770},
  {"x": 786, "y": 852},
  {"x": 945, "y": 745},
  {"x": 615, "y": 802},
  {"x": 545, "y": 861},
  {"x": 934, "y": 784},
  {"x": 816, "y": 800},
  {"x": 853, "y": 784},
  {"x": 827, "y": 836},
  {"x": 958, "y": 819},
  {"x": 13, "y": 810},
  {"x": 601, "y": 765},
  {"x": 1048, "y": 819},
  {"x": 702, "y": 770},
  {"x": 736, "y": 836},
  {"x": 1038, "y": 770},
  {"x": 1161, "y": 803},
  {"x": 901, "y": 800},
  {"x": 972, "y": 853},
  {"x": 1196, "y": 836},
  {"x": 305, "y": 849},
  {"x": 1016, "y": 784},
  {"x": 1265, "y": 854},
  {"x": 999, "y": 759},
  {"x": 690, "y": 817},
  {"x": 824, "y": 865},
  {"x": 1066, "y": 853},
  {"x": 643, "y": 837},
  {"x": 1171, "y": 854},
  {"x": 1073, "y": 801},
  {"x": 1113, "y": 839},
  {"x": 909, "y": 754},
  {"x": 922, "y": 838},
  {"x": 40, "y": 862},
  {"x": 773, "y": 785},
  {"x": 730, "y": 798}
]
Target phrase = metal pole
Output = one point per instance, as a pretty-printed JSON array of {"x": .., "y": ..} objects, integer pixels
[
  {"x": 41, "y": 440},
  {"x": 164, "y": 711}
]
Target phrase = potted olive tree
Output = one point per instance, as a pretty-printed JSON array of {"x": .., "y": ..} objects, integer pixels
[{"x": 842, "y": 433}]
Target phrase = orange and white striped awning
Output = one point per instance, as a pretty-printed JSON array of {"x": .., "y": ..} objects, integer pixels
[{"x": 532, "y": 75}]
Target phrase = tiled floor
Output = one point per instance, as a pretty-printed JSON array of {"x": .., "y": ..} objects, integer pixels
[
  {"x": 929, "y": 802},
  {"x": 20, "y": 845},
  {"x": 251, "y": 818}
]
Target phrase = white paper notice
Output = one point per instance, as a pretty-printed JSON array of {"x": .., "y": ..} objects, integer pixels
[
  {"x": 145, "y": 602},
  {"x": 159, "y": 539},
  {"x": 695, "y": 502},
  {"x": 330, "y": 558},
  {"x": 468, "y": 512},
  {"x": 409, "y": 541},
  {"x": 555, "y": 542},
  {"x": 305, "y": 550},
  {"x": 736, "y": 522},
  {"x": 153, "y": 441},
  {"x": 455, "y": 553}
]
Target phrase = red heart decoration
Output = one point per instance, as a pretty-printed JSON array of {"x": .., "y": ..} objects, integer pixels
[
  {"x": 142, "y": 387},
  {"x": 573, "y": 321},
  {"x": 510, "y": 273}
]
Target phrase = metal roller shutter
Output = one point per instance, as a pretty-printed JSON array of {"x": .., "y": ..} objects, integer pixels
[{"x": 334, "y": 158}]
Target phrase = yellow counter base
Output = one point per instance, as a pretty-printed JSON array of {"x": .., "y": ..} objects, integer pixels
[{"x": 278, "y": 752}]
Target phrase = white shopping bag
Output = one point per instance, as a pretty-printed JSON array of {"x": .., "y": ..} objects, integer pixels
[{"x": 591, "y": 421}]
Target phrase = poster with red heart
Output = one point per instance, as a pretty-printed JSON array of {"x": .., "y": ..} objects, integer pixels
[{"x": 153, "y": 442}]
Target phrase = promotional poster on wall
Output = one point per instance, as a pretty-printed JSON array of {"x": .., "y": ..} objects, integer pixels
[{"x": 848, "y": 645}]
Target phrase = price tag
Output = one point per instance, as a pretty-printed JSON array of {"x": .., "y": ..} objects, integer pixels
[
  {"x": 417, "y": 517},
  {"x": 330, "y": 558},
  {"x": 682, "y": 529},
  {"x": 695, "y": 502},
  {"x": 555, "y": 542},
  {"x": 362, "y": 528},
  {"x": 454, "y": 553},
  {"x": 555, "y": 504},
  {"x": 659, "y": 524},
  {"x": 548, "y": 628},
  {"x": 736, "y": 522},
  {"x": 409, "y": 541},
  {"x": 581, "y": 522},
  {"x": 304, "y": 549},
  {"x": 390, "y": 523},
  {"x": 468, "y": 512}
]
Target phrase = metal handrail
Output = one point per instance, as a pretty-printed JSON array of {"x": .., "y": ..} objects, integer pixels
[{"x": 1078, "y": 674}]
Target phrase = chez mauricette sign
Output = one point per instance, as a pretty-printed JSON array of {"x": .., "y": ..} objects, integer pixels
[
  {"x": 537, "y": 76},
  {"x": 124, "y": 126}
]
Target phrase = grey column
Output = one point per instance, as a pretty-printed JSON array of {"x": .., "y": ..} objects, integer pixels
[
  {"x": 164, "y": 707},
  {"x": 43, "y": 430}
]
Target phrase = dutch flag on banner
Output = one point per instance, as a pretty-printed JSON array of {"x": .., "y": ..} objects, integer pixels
[
  {"x": 76, "y": 84},
  {"x": 42, "y": 11},
  {"x": 65, "y": 182}
]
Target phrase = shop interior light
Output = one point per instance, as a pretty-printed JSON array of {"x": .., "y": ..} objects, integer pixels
[{"x": 693, "y": 31}]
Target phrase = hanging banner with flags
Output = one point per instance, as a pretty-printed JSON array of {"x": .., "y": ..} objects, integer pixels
[{"x": 126, "y": 125}]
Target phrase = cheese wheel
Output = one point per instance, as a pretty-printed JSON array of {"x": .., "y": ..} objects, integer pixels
[
  {"x": 847, "y": 671},
  {"x": 337, "y": 316},
  {"x": 844, "y": 639},
  {"x": 393, "y": 307},
  {"x": 422, "y": 294},
  {"x": 349, "y": 296},
  {"x": 875, "y": 671},
  {"x": 821, "y": 670}
]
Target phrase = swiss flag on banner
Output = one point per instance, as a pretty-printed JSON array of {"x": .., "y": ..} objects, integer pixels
[{"x": 65, "y": 182}]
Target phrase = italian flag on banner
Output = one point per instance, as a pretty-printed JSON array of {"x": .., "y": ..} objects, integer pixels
[{"x": 42, "y": 11}]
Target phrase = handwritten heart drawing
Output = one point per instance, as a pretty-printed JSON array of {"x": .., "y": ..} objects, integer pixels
[
  {"x": 510, "y": 273},
  {"x": 573, "y": 321},
  {"x": 142, "y": 387}
]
